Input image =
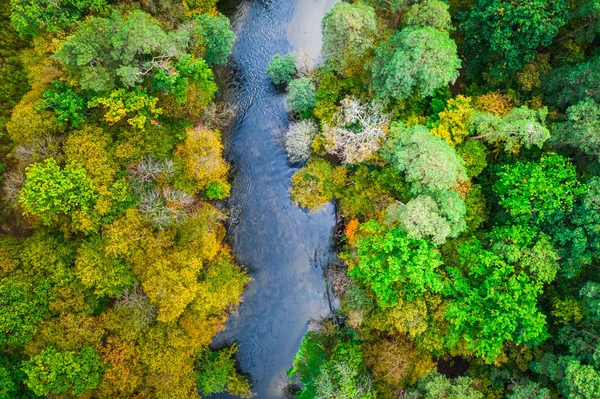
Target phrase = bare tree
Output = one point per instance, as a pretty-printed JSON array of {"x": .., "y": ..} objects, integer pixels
[
  {"x": 37, "y": 150},
  {"x": 149, "y": 169},
  {"x": 13, "y": 183},
  {"x": 358, "y": 132},
  {"x": 136, "y": 300},
  {"x": 298, "y": 140}
]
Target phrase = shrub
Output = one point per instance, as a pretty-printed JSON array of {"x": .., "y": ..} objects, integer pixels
[{"x": 281, "y": 68}]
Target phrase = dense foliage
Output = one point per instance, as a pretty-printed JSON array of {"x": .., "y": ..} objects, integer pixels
[
  {"x": 459, "y": 141},
  {"x": 114, "y": 273}
]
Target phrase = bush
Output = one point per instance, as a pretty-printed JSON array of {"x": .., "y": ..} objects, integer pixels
[
  {"x": 282, "y": 68},
  {"x": 301, "y": 96},
  {"x": 298, "y": 140}
]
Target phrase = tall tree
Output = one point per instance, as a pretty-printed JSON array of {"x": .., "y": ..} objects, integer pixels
[
  {"x": 349, "y": 32},
  {"x": 414, "y": 61}
]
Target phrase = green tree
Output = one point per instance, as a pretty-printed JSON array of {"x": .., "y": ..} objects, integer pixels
[
  {"x": 31, "y": 17},
  {"x": 186, "y": 70},
  {"x": 432, "y": 13},
  {"x": 508, "y": 34},
  {"x": 282, "y": 69},
  {"x": 582, "y": 129},
  {"x": 50, "y": 191},
  {"x": 492, "y": 302},
  {"x": 474, "y": 153},
  {"x": 216, "y": 373},
  {"x": 349, "y": 32},
  {"x": 105, "y": 53},
  {"x": 414, "y": 60},
  {"x": 436, "y": 216},
  {"x": 23, "y": 303},
  {"x": 301, "y": 96},
  {"x": 522, "y": 127},
  {"x": 571, "y": 84},
  {"x": 393, "y": 265},
  {"x": 54, "y": 372},
  {"x": 68, "y": 105},
  {"x": 316, "y": 184},
  {"x": 528, "y": 390},
  {"x": 214, "y": 37},
  {"x": 436, "y": 386},
  {"x": 428, "y": 162},
  {"x": 328, "y": 368},
  {"x": 538, "y": 193},
  {"x": 104, "y": 275}
]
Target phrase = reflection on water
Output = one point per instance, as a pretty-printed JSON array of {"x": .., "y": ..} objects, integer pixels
[{"x": 282, "y": 245}]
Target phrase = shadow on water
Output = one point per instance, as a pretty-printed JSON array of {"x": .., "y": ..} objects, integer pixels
[{"x": 282, "y": 245}]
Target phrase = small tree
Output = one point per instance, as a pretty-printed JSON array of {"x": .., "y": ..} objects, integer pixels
[
  {"x": 395, "y": 266},
  {"x": 216, "y": 373},
  {"x": 298, "y": 140},
  {"x": 359, "y": 131},
  {"x": 301, "y": 96},
  {"x": 436, "y": 216},
  {"x": 282, "y": 68}
]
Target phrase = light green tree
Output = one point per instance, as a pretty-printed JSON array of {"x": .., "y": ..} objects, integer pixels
[
  {"x": 50, "y": 191},
  {"x": 349, "y": 32},
  {"x": 414, "y": 61}
]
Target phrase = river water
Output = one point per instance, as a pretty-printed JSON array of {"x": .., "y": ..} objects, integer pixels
[{"x": 283, "y": 246}]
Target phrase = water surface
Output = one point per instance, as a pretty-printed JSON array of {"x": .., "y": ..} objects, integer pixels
[{"x": 283, "y": 246}]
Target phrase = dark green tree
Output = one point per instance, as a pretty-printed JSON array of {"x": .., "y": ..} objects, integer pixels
[{"x": 507, "y": 34}]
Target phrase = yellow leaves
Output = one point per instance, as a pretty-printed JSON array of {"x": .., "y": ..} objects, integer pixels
[
  {"x": 496, "y": 103},
  {"x": 455, "y": 121},
  {"x": 136, "y": 106},
  {"x": 201, "y": 154}
]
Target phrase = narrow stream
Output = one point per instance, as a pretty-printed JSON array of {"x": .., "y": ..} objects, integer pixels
[{"x": 283, "y": 246}]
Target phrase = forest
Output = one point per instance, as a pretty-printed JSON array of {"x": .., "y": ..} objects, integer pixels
[
  {"x": 114, "y": 272},
  {"x": 458, "y": 139}
]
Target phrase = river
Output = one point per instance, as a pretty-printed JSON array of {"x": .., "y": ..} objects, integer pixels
[{"x": 282, "y": 245}]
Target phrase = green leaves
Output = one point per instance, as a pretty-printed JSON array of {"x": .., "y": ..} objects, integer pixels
[
  {"x": 23, "y": 303},
  {"x": 176, "y": 80},
  {"x": 68, "y": 105},
  {"x": 429, "y": 162},
  {"x": 394, "y": 265},
  {"x": 32, "y": 17},
  {"x": 328, "y": 368},
  {"x": 349, "y": 32},
  {"x": 492, "y": 302},
  {"x": 508, "y": 34},
  {"x": 54, "y": 372},
  {"x": 215, "y": 38},
  {"x": 50, "y": 191},
  {"x": 414, "y": 61},
  {"x": 282, "y": 68},
  {"x": 301, "y": 96},
  {"x": 216, "y": 373},
  {"x": 537, "y": 192}
]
